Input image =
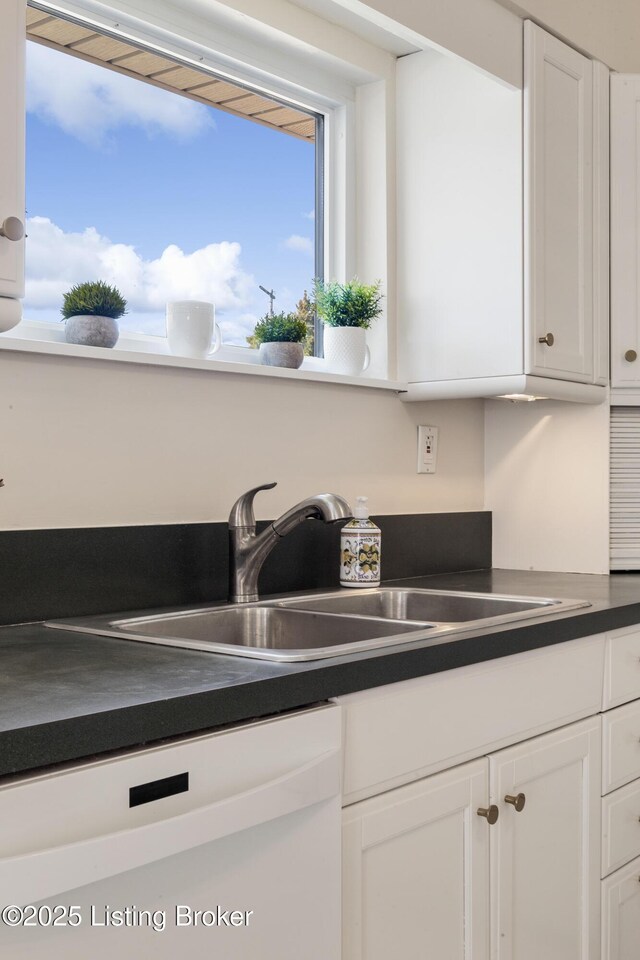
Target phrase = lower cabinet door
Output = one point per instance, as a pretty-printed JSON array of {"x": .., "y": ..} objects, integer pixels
[
  {"x": 621, "y": 913},
  {"x": 416, "y": 870},
  {"x": 545, "y": 855}
]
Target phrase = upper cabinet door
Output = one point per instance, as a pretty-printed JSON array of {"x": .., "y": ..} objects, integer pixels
[
  {"x": 625, "y": 230},
  {"x": 12, "y": 205},
  {"x": 558, "y": 235}
]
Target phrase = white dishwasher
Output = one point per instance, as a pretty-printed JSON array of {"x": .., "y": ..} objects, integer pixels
[{"x": 224, "y": 845}]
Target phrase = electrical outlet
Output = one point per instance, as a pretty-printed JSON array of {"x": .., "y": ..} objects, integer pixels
[{"x": 427, "y": 449}]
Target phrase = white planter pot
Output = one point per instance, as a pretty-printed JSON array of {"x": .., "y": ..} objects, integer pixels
[
  {"x": 91, "y": 331},
  {"x": 346, "y": 350}
]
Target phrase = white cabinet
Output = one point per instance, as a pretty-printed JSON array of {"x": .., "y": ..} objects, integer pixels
[
  {"x": 418, "y": 861},
  {"x": 503, "y": 226},
  {"x": 545, "y": 889},
  {"x": 558, "y": 208},
  {"x": 556, "y": 876},
  {"x": 625, "y": 231},
  {"x": 416, "y": 870},
  {"x": 405, "y": 731},
  {"x": 621, "y": 797},
  {"x": 12, "y": 206},
  {"x": 424, "y": 875}
]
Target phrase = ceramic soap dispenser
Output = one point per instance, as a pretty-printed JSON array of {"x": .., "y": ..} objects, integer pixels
[{"x": 360, "y": 549}]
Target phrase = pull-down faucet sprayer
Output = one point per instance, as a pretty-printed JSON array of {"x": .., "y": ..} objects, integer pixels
[{"x": 248, "y": 550}]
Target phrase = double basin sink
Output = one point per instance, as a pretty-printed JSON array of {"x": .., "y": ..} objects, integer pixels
[{"x": 323, "y": 625}]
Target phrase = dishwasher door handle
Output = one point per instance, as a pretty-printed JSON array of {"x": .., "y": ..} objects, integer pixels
[{"x": 33, "y": 876}]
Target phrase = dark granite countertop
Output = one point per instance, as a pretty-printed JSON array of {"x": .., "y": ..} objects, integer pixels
[{"x": 64, "y": 695}]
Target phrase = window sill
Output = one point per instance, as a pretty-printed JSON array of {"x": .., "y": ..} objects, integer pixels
[{"x": 152, "y": 351}]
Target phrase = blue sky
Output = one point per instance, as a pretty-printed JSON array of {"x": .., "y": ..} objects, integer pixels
[{"x": 167, "y": 198}]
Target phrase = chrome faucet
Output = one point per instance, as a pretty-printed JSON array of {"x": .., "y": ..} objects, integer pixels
[{"x": 248, "y": 550}]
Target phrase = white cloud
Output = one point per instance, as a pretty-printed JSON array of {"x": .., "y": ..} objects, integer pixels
[
  {"x": 56, "y": 260},
  {"x": 311, "y": 215},
  {"x": 89, "y": 102},
  {"x": 301, "y": 244},
  {"x": 237, "y": 329}
]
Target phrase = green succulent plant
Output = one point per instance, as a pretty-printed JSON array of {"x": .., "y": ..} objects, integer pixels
[
  {"x": 352, "y": 304},
  {"x": 280, "y": 328},
  {"x": 94, "y": 299}
]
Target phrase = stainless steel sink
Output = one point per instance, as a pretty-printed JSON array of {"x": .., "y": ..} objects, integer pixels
[
  {"x": 267, "y": 632},
  {"x": 433, "y": 605},
  {"x": 322, "y": 625}
]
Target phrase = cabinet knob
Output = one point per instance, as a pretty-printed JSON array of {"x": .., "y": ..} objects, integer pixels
[
  {"x": 630, "y": 355},
  {"x": 518, "y": 802},
  {"x": 548, "y": 339},
  {"x": 12, "y": 229},
  {"x": 490, "y": 814}
]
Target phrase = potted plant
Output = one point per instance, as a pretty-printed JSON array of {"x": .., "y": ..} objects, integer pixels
[
  {"x": 280, "y": 337},
  {"x": 91, "y": 311},
  {"x": 347, "y": 310}
]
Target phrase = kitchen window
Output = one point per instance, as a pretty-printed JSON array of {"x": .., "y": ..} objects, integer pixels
[{"x": 170, "y": 181}]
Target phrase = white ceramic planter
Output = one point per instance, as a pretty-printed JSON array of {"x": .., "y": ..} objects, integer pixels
[
  {"x": 346, "y": 350},
  {"x": 91, "y": 331}
]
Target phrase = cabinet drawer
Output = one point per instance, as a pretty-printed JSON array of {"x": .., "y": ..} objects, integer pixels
[
  {"x": 620, "y": 827},
  {"x": 620, "y": 746},
  {"x": 621, "y": 667},
  {"x": 403, "y": 731}
]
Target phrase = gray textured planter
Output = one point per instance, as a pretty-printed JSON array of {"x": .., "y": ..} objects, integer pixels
[
  {"x": 92, "y": 331},
  {"x": 282, "y": 354}
]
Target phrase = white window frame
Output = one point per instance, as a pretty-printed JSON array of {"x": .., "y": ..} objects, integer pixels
[{"x": 261, "y": 66}]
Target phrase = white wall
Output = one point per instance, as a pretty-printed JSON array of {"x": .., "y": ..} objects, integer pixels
[
  {"x": 374, "y": 190},
  {"x": 546, "y": 480},
  {"x": 88, "y": 442},
  {"x": 85, "y": 442}
]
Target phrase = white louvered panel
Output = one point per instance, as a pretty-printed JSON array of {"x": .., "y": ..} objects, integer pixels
[{"x": 625, "y": 489}]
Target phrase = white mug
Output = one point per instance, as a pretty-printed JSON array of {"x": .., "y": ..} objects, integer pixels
[{"x": 191, "y": 327}]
